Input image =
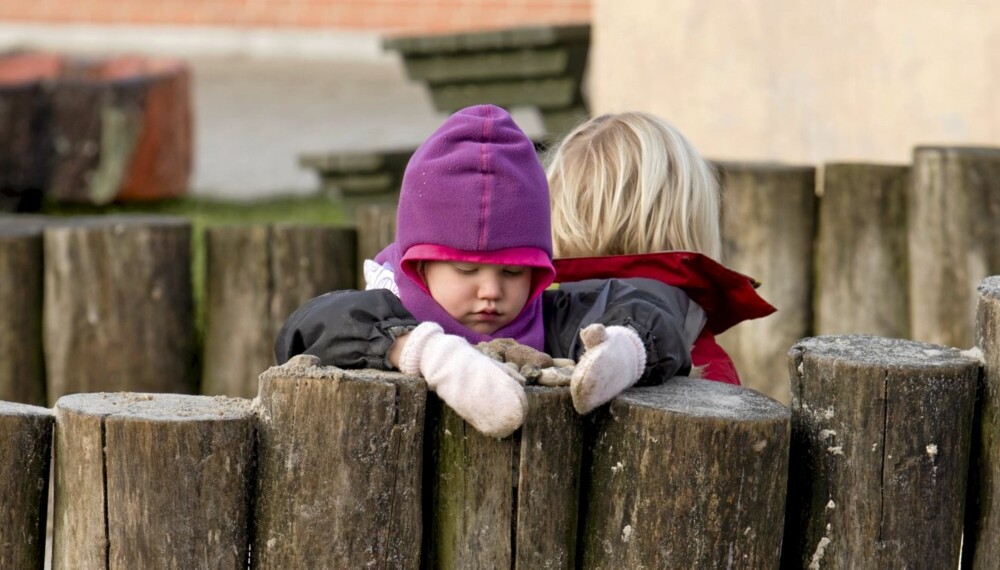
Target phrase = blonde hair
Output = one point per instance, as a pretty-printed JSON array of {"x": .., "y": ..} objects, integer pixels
[{"x": 631, "y": 183}]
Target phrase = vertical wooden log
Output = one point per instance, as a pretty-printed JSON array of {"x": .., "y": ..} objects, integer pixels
[
  {"x": 376, "y": 229},
  {"x": 256, "y": 277},
  {"x": 26, "y": 144},
  {"x": 339, "y": 468},
  {"x": 22, "y": 367},
  {"x": 688, "y": 474},
  {"x": 510, "y": 503},
  {"x": 954, "y": 239},
  {"x": 25, "y": 446},
  {"x": 768, "y": 227},
  {"x": 153, "y": 481},
  {"x": 118, "y": 307},
  {"x": 861, "y": 251},
  {"x": 239, "y": 343},
  {"x": 981, "y": 548},
  {"x": 307, "y": 261},
  {"x": 881, "y": 431}
]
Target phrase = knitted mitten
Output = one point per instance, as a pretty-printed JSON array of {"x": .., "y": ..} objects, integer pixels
[
  {"x": 484, "y": 392},
  {"x": 613, "y": 361}
]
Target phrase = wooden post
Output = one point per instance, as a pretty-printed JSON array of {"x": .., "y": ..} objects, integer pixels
[
  {"x": 768, "y": 227},
  {"x": 861, "y": 251},
  {"x": 510, "y": 503},
  {"x": 376, "y": 229},
  {"x": 153, "y": 481},
  {"x": 256, "y": 277},
  {"x": 981, "y": 548},
  {"x": 118, "y": 307},
  {"x": 954, "y": 239},
  {"x": 25, "y": 445},
  {"x": 881, "y": 431},
  {"x": 22, "y": 367},
  {"x": 688, "y": 474},
  {"x": 339, "y": 468},
  {"x": 26, "y": 146}
]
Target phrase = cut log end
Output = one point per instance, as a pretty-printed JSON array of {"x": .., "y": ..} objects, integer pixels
[
  {"x": 153, "y": 407},
  {"x": 868, "y": 351}
]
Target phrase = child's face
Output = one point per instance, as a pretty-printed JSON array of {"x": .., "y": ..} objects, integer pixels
[{"x": 484, "y": 298}]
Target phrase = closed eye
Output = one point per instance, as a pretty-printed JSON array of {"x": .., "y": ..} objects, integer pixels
[{"x": 465, "y": 269}]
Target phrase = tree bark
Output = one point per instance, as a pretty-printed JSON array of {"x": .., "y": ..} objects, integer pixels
[
  {"x": 861, "y": 268},
  {"x": 25, "y": 446},
  {"x": 339, "y": 468},
  {"x": 688, "y": 474},
  {"x": 954, "y": 239},
  {"x": 22, "y": 366},
  {"x": 768, "y": 227},
  {"x": 256, "y": 277},
  {"x": 118, "y": 307},
  {"x": 881, "y": 432},
  {"x": 981, "y": 548},
  {"x": 153, "y": 481},
  {"x": 504, "y": 503}
]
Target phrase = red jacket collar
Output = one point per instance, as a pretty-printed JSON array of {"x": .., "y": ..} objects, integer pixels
[{"x": 728, "y": 297}]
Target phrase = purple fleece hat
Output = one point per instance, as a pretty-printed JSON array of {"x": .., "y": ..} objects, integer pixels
[{"x": 474, "y": 191}]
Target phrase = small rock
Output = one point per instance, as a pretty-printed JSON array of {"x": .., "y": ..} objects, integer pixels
[
  {"x": 563, "y": 362},
  {"x": 530, "y": 372},
  {"x": 556, "y": 376}
]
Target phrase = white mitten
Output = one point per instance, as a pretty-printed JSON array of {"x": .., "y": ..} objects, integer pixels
[
  {"x": 613, "y": 361},
  {"x": 484, "y": 392}
]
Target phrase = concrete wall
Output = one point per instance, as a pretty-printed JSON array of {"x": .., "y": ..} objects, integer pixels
[{"x": 804, "y": 81}]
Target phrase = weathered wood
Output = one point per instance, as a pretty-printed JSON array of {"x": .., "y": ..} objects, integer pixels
[
  {"x": 22, "y": 367},
  {"x": 861, "y": 251},
  {"x": 981, "y": 548},
  {"x": 688, "y": 474},
  {"x": 239, "y": 339},
  {"x": 954, "y": 239},
  {"x": 118, "y": 305},
  {"x": 548, "y": 487},
  {"x": 25, "y": 445},
  {"x": 153, "y": 481},
  {"x": 376, "y": 229},
  {"x": 510, "y": 503},
  {"x": 881, "y": 432},
  {"x": 256, "y": 277},
  {"x": 339, "y": 468},
  {"x": 768, "y": 227}
]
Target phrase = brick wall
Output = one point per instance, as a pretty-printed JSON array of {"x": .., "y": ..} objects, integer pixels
[{"x": 375, "y": 15}]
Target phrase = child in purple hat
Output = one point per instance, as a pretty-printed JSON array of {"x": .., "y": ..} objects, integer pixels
[{"x": 471, "y": 260}]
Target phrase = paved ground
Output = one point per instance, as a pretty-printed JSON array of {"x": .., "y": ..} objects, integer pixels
[{"x": 254, "y": 116}]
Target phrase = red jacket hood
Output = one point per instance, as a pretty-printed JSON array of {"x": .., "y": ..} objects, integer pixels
[{"x": 727, "y": 296}]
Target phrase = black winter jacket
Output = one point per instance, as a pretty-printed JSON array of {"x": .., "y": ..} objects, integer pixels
[{"x": 354, "y": 329}]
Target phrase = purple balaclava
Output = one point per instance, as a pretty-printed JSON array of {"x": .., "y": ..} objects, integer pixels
[{"x": 474, "y": 192}]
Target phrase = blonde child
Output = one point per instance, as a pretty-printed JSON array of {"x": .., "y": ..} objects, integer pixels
[{"x": 630, "y": 190}]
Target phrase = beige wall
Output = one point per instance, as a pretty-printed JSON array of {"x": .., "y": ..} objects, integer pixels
[{"x": 801, "y": 81}]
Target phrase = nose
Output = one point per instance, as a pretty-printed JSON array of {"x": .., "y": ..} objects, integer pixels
[{"x": 490, "y": 288}]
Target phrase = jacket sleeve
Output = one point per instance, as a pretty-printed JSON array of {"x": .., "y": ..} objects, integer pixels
[
  {"x": 349, "y": 329},
  {"x": 718, "y": 365},
  {"x": 661, "y": 319}
]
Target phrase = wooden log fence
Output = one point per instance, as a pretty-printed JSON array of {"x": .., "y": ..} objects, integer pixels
[
  {"x": 880, "y": 452},
  {"x": 768, "y": 224},
  {"x": 256, "y": 277},
  {"x": 153, "y": 481},
  {"x": 363, "y": 467},
  {"x": 22, "y": 367},
  {"x": 862, "y": 279},
  {"x": 981, "y": 549},
  {"x": 118, "y": 308},
  {"x": 25, "y": 444},
  {"x": 954, "y": 239}
]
